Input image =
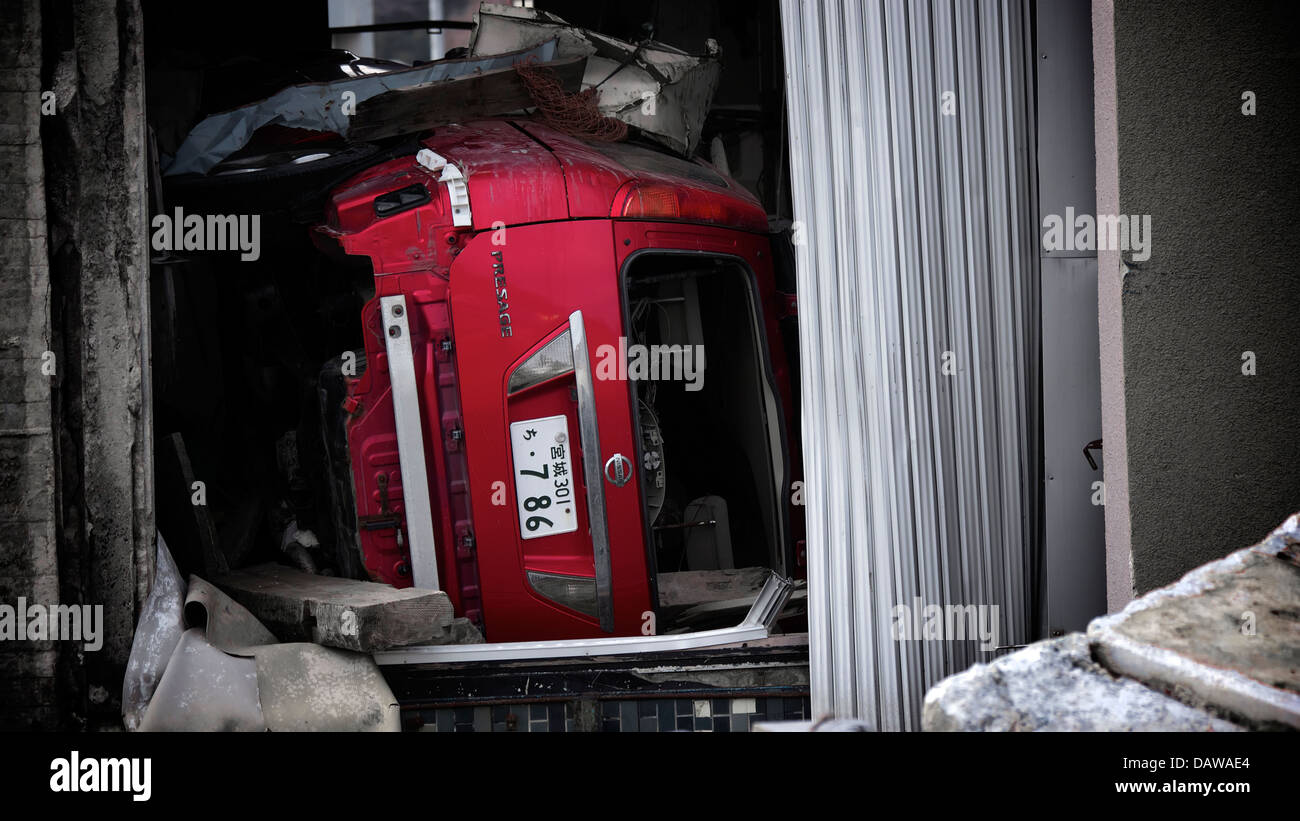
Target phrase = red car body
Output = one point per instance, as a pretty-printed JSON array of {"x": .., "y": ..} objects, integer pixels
[{"x": 554, "y": 221}]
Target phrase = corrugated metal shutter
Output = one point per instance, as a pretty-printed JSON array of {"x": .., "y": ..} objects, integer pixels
[{"x": 918, "y": 239}]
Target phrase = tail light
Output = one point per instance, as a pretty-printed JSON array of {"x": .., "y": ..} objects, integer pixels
[
  {"x": 555, "y": 358},
  {"x": 575, "y": 592},
  {"x": 682, "y": 203}
]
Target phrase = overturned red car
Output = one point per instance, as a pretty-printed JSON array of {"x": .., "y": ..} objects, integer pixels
[{"x": 573, "y": 390}]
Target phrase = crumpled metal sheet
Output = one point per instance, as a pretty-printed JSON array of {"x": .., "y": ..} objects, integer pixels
[
  {"x": 319, "y": 107},
  {"x": 160, "y": 628},
  {"x": 307, "y": 687},
  {"x": 226, "y": 622},
  {"x": 205, "y": 689},
  {"x": 201, "y": 662},
  {"x": 279, "y": 687},
  {"x": 661, "y": 90}
]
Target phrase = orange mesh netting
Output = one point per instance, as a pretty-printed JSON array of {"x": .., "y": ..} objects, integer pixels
[{"x": 574, "y": 114}]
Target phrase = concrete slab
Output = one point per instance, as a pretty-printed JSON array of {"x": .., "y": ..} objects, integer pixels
[
  {"x": 1225, "y": 637},
  {"x": 1055, "y": 686},
  {"x": 344, "y": 613}
]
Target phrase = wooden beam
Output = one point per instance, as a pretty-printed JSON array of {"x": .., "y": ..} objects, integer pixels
[{"x": 189, "y": 529}]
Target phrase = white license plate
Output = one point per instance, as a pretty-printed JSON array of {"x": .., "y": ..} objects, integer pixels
[{"x": 544, "y": 486}]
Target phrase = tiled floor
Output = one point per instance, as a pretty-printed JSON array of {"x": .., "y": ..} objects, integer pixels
[{"x": 717, "y": 715}]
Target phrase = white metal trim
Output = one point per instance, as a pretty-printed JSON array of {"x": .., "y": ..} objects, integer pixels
[
  {"x": 589, "y": 433},
  {"x": 755, "y": 627},
  {"x": 410, "y": 443}
]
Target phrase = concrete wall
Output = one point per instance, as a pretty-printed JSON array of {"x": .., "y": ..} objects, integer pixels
[
  {"x": 76, "y": 496},
  {"x": 96, "y": 157},
  {"x": 29, "y": 569},
  {"x": 1200, "y": 458}
]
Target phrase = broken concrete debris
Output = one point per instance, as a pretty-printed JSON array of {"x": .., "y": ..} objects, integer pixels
[
  {"x": 1225, "y": 637},
  {"x": 201, "y": 661},
  {"x": 1217, "y": 650},
  {"x": 1055, "y": 685},
  {"x": 344, "y": 613}
]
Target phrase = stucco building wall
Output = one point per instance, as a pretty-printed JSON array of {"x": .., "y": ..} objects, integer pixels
[{"x": 1200, "y": 457}]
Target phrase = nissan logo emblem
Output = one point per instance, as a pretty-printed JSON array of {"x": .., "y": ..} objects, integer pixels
[{"x": 618, "y": 470}]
